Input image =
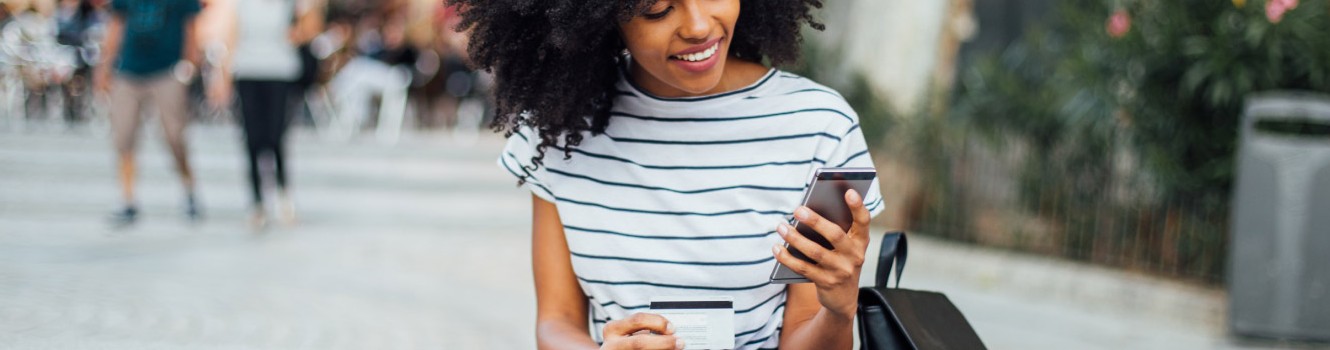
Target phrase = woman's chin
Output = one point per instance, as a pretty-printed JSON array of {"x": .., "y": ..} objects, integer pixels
[{"x": 697, "y": 86}]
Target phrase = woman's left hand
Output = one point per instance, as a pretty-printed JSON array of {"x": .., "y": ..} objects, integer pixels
[{"x": 836, "y": 272}]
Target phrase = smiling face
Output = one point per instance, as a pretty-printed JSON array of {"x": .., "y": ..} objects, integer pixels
[{"x": 681, "y": 47}]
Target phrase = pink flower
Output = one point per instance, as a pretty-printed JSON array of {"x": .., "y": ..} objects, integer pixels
[
  {"x": 1119, "y": 24},
  {"x": 1275, "y": 9}
]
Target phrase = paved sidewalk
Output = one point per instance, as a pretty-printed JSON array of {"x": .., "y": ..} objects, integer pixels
[
  {"x": 418, "y": 246},
  {"x": 422, "y": 245}
]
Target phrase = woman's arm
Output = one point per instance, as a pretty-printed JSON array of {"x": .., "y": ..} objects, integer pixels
[
  {"x": 309, "y": 21},
  {"x": 220, "y": 88},
  {"x": 821, "y": 315},
  {"x": 190, "y": 47},
  {"x": 808, "y": 325},
  {"x": 561, "y": 307}
]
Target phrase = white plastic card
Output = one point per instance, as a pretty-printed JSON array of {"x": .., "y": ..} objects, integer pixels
[{"x": 702, "y": 322}]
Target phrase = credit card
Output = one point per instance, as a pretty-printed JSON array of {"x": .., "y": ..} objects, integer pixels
[{"x": 702, "y": 322}]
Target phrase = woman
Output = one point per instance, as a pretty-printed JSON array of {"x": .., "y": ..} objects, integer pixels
[
  {"x": 663, "y": 158},
  {"x": 265, "y": 62}
]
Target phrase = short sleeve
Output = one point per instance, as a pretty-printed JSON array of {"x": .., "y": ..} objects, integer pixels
[
  {"x": 852, "y": 152},
  {"x": 516, "y": 161}
]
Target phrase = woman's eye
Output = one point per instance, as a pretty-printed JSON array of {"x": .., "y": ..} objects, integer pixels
[{"x": 658, "y": 14}]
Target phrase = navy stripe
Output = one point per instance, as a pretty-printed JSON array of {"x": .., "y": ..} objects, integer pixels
[
  {"x": 696, "y": 167},
  {"x": 755, "y": 330},
  {"x": 852, "y": 157},
  {"x": 832, "y": 93},
  {"x": 773, "y": 314},
  {"x": 722, "y": 142},
  {"x": 643, "y": 92},
  {"x": 873, "y": 206},
  {"x": 852, "y": 129},
  {"x": 698, "y": 238},
  {"x": 699, "y": 263},
  {"x": 704, "y": 190},
  {"x": 764, "y": 302},
  {"x": 729, "y": 119},
  {"x": 740, "y": 334},
  {"x": 676, "y": 286},
  {"x": 758, "y": 340},
  {"x": 624, "y": 93},
  {"x": 530, "y": 178},
  {"x": 625, "y": 307},
  {"x": 676, "y": 213}
]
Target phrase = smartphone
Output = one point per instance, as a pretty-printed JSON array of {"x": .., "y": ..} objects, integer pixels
[{"x": 826, "y": 197}]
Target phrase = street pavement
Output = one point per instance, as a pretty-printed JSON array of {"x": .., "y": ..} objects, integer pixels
[{"x": 423, "y": 244}]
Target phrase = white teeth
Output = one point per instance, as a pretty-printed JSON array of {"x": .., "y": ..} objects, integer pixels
[{"x": 699, "y": 56}]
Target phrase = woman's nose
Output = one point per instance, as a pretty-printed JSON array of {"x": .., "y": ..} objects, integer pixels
[{"x": 697, "y": 22}]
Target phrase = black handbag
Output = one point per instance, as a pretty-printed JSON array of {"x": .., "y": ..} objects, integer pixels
[{"x": 894, "y": 318}]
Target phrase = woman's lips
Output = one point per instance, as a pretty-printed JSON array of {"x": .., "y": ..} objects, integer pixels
[
  {"x": 700, "y": 47},
  {"x": 697, "y": 61}
]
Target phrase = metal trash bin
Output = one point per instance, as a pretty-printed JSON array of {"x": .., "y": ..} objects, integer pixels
[{"x": 1279, "y": 253}]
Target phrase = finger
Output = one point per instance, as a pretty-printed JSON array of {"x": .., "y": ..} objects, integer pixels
[
  {"x": 829, "y": 230},
  {"x": 655, "y": 342},
  {"x": 810, "y": 249},
  {"x": 803, "y": 268},
  {"x": 644, "y": 341},
  {"x": 638, "y": 322},
  {"x": 862, "y": 217}
]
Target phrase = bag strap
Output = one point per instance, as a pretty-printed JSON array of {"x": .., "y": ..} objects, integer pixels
[{"x": 892, "y": 255}]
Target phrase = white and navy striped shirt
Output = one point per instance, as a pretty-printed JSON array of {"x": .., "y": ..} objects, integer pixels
[{"x": 681, "y": 196}]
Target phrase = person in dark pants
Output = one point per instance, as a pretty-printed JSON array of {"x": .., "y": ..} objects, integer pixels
[
  {"x": 265, "y": 63},
  {"x": 263, "y": 109}
]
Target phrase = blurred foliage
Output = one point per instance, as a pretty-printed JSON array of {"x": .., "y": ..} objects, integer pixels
[
  {"x": 1166, "y": 95},
  {"x": 1175, "y": 83}
]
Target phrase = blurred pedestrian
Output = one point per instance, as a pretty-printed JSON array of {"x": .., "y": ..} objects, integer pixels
[
  {"x": 75, "y": 18},
  {"x": 150, "y": 52},
  {"x": 265, "y": 64}
]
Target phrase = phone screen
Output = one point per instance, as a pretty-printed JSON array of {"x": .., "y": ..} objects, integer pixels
[{"x": 826, "y": 197}]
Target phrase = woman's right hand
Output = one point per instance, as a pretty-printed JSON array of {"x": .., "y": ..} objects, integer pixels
[{"x": 641, "y": 331}]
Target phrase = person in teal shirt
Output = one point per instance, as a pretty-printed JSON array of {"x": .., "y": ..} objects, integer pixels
[{"x": 150, "y": 54}]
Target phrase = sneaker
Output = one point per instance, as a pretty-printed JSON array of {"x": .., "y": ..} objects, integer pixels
[
  {"x": 124, "y": 217},
  {"x": 192, "y": 211}
]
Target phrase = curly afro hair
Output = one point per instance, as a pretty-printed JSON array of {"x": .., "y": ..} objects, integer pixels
[{"x": 556, "y": 61}]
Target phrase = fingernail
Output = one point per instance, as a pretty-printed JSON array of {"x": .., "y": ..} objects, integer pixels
[
  {"x": 678, "y": 344},
  {"x": 669, "y": 328},
  {"x": 781, "y": 230},
  {"x": 854, "y": 196},
  {"x": 775, "y": 249},
  {"x": 801, "y": 213}
]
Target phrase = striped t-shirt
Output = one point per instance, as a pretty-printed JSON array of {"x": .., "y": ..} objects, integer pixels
[{"x": 681, "y": 196}]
